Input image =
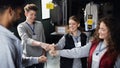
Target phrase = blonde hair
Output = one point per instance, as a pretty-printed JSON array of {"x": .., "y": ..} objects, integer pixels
[{"x": 29, "y": 7}]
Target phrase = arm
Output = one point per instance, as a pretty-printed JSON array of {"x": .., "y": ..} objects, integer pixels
[
  {"x": 43, "y": 33},
  {"x": 76, "y": 52},
  {"x": 27, "y": 61},
  {"x": 24, "y": 36},
  {"x": 61, "y": 43}
]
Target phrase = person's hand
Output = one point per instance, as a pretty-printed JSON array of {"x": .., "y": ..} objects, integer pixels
[
  {"x": 45, "y": 46},
  {"x": 53, "y": 52},
  {"x": 42, "y": 59},
  {"x": 41, "y": 44},
  {"x": 52, "y": 47}
]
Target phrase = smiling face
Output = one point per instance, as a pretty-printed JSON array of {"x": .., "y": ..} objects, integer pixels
[
  {"x": 73, "y": 25},
  {"x": 30, "y": 15},
  {"x": 103, "y": 31}
]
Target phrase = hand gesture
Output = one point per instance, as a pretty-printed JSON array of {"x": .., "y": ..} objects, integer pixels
[
  {"x": 42, "y": 59},
  {"x": 53, "y": 52},
  {"x": 52, "y": 47},
  {"x": 45, "y": 46}
]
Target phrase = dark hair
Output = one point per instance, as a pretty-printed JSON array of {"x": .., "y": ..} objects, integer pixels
[
  {"x": 29, "y": 7},
  {"x": 112, "y": 40},
  {"x": 4, "y": 4}
]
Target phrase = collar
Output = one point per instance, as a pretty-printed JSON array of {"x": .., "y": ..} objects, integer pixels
[
  {"x": 78, "y": 33},
  {"x": 28, "y": 22}
]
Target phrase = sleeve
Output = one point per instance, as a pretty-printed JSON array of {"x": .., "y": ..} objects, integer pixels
[
  {"x": 43, "y": 33},
  {"x": 28, "y": 61},
  {"x": 23, "y": 34},
  {"x": 6, "y": 55},
  {"x": 61, "y": 43},
  {"x": 79, "y": 52},
  {"x": 117, "y": 63}
]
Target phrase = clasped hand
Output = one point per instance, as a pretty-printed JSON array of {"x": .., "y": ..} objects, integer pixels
[
  {"x": 50, "y": 48},
  {"x": 42, "y": 59}
]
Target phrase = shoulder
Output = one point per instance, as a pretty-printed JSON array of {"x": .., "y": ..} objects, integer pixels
[
  {"x": 5, "y": 40},
  {"x": 21, "y": 24},
  {"x": 38, "y": 22},
  {"x": 67, "y": 35}
]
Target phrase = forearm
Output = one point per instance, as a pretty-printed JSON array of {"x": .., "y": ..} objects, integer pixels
[
  {"x": 27, "y": 61},
  {"x": 75, "y": 52},
  {"x": 36, "y": 43}
]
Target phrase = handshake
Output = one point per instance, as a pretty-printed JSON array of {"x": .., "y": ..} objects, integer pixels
[
  {"x": 50, "y": 47},
  {"x": 47, "y": 47}
]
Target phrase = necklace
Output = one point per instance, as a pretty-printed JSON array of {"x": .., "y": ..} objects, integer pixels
[{"x": 100, "y": 49}]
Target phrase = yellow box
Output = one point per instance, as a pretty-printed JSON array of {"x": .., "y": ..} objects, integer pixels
[
  {"x": 50, "y": 6},
  {"x": 89, "y": 21}
]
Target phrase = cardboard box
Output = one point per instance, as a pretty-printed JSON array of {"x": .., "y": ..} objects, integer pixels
[{"x": 61, "y": 29}]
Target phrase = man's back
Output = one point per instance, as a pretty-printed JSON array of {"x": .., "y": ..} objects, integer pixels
[{"x": 9, "y": 49}]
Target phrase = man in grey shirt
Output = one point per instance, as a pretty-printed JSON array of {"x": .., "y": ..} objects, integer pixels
[{"x": 30, "y": 32}]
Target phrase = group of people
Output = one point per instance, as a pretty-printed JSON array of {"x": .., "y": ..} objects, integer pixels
[
  {"x": 12, "y": 55},
  {"x": 102, "y": 51}
]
